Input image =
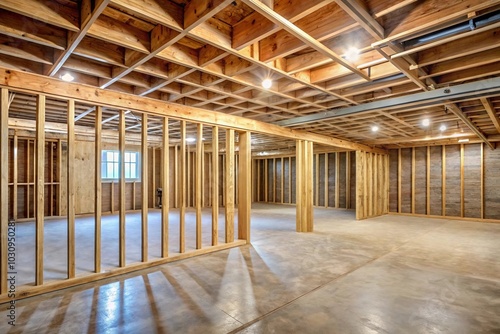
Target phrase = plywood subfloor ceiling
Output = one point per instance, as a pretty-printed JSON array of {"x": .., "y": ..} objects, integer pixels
[{"x": 215, "y": 54}]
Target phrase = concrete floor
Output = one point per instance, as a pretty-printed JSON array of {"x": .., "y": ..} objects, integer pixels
[{"x": 390, "y": 274}]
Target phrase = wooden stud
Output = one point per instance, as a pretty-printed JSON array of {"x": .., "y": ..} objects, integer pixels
[
  {"x": 428, "y": 175},
  {"x": 326, "y": 180},
  {"x": 376, "y": 184},
  {"x": 122, "y": 194},
  {"x": 198, "y": 180},
  {"x": 482, "y": 181},
  {"x": 413, "y": 180},
  {"x": 298, "y": 181},
  {"x": 386, "y": 205},
  {"x": 348, "y": 181},
  {"x": 59, "y": 177},
  {"x": 176, "y": 176},
  {"x": 153, "y": 175},
  {"x": 337, "y": 180},
  {"x": 282, "y": 173},
  {"x": 189, "y": 176},
  {"x": 98, "y": 190},
  {"x": 316, "y": 181},
  {"x": 399, "y": 180},
  {"x": 443, "y": 181},
  {"x": 229, "y": 188},
  {"x": 144, "y": 187},
  {"x": 308, "y": 178},
  {"x": 165, "y": 205},
  {"x": 366, "y": 156},
  {"x": 215, "y": 185},
  {"x": 112, "y": 196},
  {"x": 70, "y": 163},
  {"x": 28, "y": 176},
  {"x": 244, "y": 186},
  {"x": 39, "y": 187},
  {"x": 182, "y": 190},
  {"x": 462, "y": 193},
  {"x": 266, "y": 181},
  {"x": 290, "y": 180},
  {"x": 369, "y": 182},
  {"x": 274, "y": 180},
  {"x": 359, "y": 185},
  {"x": 15, "y": 177},
  {"x": 4, "y": 190}
]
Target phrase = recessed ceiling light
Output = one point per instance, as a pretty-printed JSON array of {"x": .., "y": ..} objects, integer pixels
[
  {"x": 375, "y": 128},
  {"x": 352, "y": 54},
  {"x": 426, "y": 122},
  {"x": 67, "y": 77},
  {"x": 267, "y": 83},
  {"x": 442, "y": 128},
  {"x": 190, "y": 140}
]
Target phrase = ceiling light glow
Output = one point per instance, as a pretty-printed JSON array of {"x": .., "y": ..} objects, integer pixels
[
  {"x": 67, "y": 77},
  {"x": 442, "y": 128},
  {"x": 190, "y": 140},
  {"x": 352, "y": 54},
  {"x": 466, "y": 140},
  {"x": 426, "y": 122},
  {"x": 375, "y": 128},
  {"x": 267, "y": 83}
]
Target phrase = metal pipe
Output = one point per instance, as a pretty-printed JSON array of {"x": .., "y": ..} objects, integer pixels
[{"x": 470, "y": 25}]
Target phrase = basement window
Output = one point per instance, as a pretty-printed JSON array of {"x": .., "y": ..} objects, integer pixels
[{"x": 110, "y": 165}]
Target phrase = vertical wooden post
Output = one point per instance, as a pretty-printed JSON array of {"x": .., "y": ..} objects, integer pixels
[
  {"x": 182, "y": 189},
  {"x": 121, "y": 145},
  {"x": 428, "y": 175},
  {"x": 244, "y": 186},
  {"x": 462, "y": 204},
  {"x": 316, "y": 181},
  {"x": 198, "y": 178},
  {"x": 165, "y": 205},
  {"x": 443, "y": 182},
  {"x": 348, "y": 180},
  {"x": 39, "y": 187},
  {"x": 70, "y": 163},
  {"x": 369, "y": 182},
  {"x": 144, "y": 187},
  {"x": 274, "y": 180},
  {"x": 176, "y": 176},
  {"x": 482, "y": 180},
  {"x": 28, "y": 177},
  {"x": 290, "y": 180},
  {"x": 282, "y": 172},
  {"x": 386, "y": 204},
  {"x": 337, "y": 180},
  {"x": 360, "y": 166},
  {"x": 4, "y": 188},
  {"x": 15, "y": 177},
  {"x": 266, "y": 181},
  {"x": 304, "y": 187},
  {"x": 188, "y": 177},
  {"x": 399, "y": 180},
  {"x": 229, "y": 189},
  {"x": 326, "y": 180},
  {"x": 153, "y": 175},
  {"x": 413, "y": 180},
  {"x": 215, "y": 185},
  {"x": 98, "y": 190},
  {"x": 59, "y": 174}
]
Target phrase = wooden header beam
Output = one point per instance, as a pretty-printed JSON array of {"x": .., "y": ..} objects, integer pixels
[{"x": 34, "y": 83}]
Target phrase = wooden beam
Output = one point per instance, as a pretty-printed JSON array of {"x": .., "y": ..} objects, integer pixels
[
  {"x": 182, "y": 189},
  {"x": 460, "y": 114},
  {"x": 35, "y": 83},
  {"x": 39, "y": 188},
  {"x": 299, "y": 156},
  {"x": 229, "y": 187},
  {"x": 196, "y": 12},
  {"x": 215, "y": 185},
  {"x": 122, "y": 194},
  {"x": 198, "y": 184},
  {"x": 357, "y": 10},
  {"x": 4, "y": 188},
  {"x": 488, "y": 106},
  {"x": 144, "y": 188},
  {"x": 304, "y": 37},
  {"x": 70, "y": 165},
  {"x": 244, "y": 185},
  {"x": 98, "y": 190},
  {"x": 88, "y": 17},
  {"x": 165, "y": 205}
]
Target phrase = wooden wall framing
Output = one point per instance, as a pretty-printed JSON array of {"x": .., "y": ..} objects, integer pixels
[{"x": 456, "y": 181}]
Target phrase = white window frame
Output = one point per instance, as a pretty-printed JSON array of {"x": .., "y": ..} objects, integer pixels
[{"x": 110, "y": 165}]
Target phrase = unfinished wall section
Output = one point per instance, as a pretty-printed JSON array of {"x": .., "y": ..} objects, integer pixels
[{"x": 458, "y": 181}]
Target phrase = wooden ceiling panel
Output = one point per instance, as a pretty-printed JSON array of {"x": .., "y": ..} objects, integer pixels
[{"x": 214, "y": 55}]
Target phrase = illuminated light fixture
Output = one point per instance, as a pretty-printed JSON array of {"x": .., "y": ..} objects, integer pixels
[
  {"x": 352, "y": 54},
  {"x": 426, "y": 122},
  {"x": 67, "y": 77},
  {"x": 375, "y": 128},
  {"x": 267, "y": 83},
  {"x": 442, "y": 128},
  {"x": 465, "y": 140},
  {"x": 190, "y": 140}
]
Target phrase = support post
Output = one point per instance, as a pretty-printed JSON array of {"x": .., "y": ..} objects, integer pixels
[
  {"x": 215, "y": 185},
  {"x": 39, "y": 188},
  {"x": 4, "y": 187},
  {"x": 121, "y": 144},
  {"x": 182, "y": 189},
  {"x": 70, "y": 162},
  {"x": 165, "y": 205},
  {"x": 244, "y": 186},
  {"x": 229, "y": 188},
  {"x": 198, "y": 185},
  {"x": 144, "y": 187},
  {"x": 98, "y": 189},
  {"x": 304, "y": 187}
]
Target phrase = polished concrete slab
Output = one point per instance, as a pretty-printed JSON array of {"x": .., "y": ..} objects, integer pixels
[{"x": 391, "y": 274}]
